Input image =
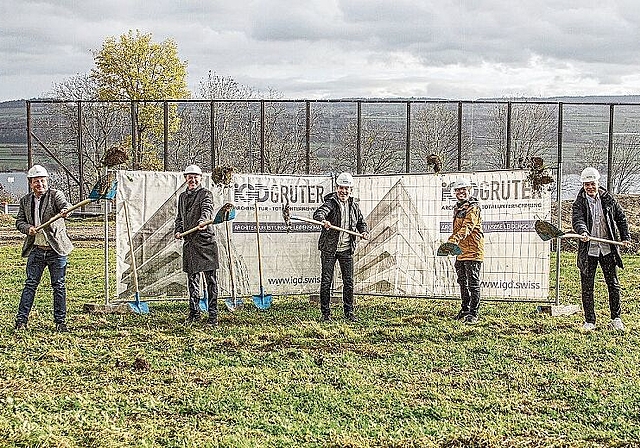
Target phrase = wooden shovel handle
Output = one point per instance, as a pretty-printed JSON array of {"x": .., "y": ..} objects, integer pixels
[
  {"x": 193, "y": 229},
  {"x": 592, "y": 238},
  {"x": 59, "y": 215}
]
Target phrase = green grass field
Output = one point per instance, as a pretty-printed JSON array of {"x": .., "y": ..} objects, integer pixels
[{"x": 405, "y": 375}]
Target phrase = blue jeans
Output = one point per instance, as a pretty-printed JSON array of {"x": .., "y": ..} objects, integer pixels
[
  {"x": 57, "y": 264},
  {"x": 328, "y": 259}
]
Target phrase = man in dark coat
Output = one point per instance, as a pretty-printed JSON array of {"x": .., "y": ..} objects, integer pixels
[
  {"x": 199, "y": 250},
  {"x": 340, "y": 210},
  {"x": 597, "y": 214},
  {"x": 48, "y": 247}
]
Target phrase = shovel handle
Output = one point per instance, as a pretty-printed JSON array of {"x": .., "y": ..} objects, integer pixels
[
  {"x": 331, "y": 226},
  {"x": 592, "y": 238},
  {"x": 59, "y": 215},
  {"x": 193, "y": 229}
]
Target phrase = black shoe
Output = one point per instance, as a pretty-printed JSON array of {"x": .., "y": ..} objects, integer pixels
[
  {"x": 461, "y": 315},
  {"x": 61, "y": 327},
  {"x": 212, "y": 322},
  {"x": 193, "y": 317},
  {"x": 351, "y": 317},
  {"x": 325, "y": 318},
  {"x": 20, "y": 326},
  {"x": 470, "y": 319}
]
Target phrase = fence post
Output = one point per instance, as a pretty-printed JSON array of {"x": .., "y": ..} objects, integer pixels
[
  {"x": 559, "y": 202},
  {"x": 508, "y": 156},
  {"x": 80, "y": 158},
  {"x": 407, "y": 156},
  {"x": 307, "y": 135},
  {"x": 165, "y": 134},
  {"x": 358, "y": 137},
  {"x": 610, "y": 152},
  {"x": 212, "y": 124},
  {"x": 459, "y": 135}
]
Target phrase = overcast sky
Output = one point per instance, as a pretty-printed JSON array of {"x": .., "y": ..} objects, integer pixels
[{"x": 319, "y": 49}]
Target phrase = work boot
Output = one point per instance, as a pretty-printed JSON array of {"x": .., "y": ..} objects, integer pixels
[
  {"x": 212, "y": 322},
  {"x": 193, "y": 317},
  {"x": 470, "y": 319},
  {"x": 351, "y": 317},
  {"x": 20, "y": 326},
  {"x": 616, "y": 324},
  {"x": 461, "y": 315},
  {"x": 61, "y": 327},
  {"x": 325, "y": 318}
]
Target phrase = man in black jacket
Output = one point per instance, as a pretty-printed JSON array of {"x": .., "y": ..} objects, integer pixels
[
  {"x": 199, "y": 250},
  {"x": 340, "y": 210},
  {"x": 597, "y": 214}
]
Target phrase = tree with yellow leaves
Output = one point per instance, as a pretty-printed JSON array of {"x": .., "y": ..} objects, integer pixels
[{"x": 133, "y": 67}]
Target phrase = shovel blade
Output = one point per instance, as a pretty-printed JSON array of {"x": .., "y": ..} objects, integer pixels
[
  {"x": 139, "y": 307},
  {"x": 446, "y": 249},
  {"x": 226, "y": 213},
  {"x": 547, "y": 231},
  {"x": 262, "y": 301},
  {"x": 96, "y": 193},
  {"x": 233, "y": 304},
  {"x": 203, "y": 304}
]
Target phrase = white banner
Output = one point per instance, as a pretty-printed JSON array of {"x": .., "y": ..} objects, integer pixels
[{"x": 409, "y": 217}]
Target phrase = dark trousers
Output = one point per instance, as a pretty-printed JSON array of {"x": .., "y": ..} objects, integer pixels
[
  {"x": 193, "y": 281},
  {"x": 469, "y": 280},
  {"x": 587, "y": 277},
  {"x": 57, "y": 265},
  {"x": 328, "y": 260}
]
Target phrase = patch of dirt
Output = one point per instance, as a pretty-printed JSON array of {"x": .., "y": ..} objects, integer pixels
[{"x": 83, "y": 233}]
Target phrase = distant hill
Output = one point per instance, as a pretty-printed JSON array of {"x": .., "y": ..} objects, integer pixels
[{"x": 610, "y": 99}]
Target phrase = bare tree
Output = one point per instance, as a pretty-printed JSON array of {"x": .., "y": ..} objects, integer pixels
[
  {"x": 434, "y": 131},
  {"x": 626, "y": 164},
  {"x": 533, "y": 131},
  {"x": 381, "y": 148}
]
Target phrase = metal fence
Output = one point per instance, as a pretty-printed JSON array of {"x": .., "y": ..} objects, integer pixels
[{"x": 326, "y": 136}]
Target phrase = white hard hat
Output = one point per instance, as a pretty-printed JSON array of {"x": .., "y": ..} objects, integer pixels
[
  {"x": 461, "y": 182},
  {"x": 37, "y": 171},
  {"x": 192, "y": 169},
  {"x": 345, "y": 180},
  {"x": 589, "y": 174}
]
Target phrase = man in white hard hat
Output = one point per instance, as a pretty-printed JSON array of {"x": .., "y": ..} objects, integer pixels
[
  {"x": 339, "y": 209},
  {"x": 199, "y": 249},
  {"x": 596, "y": 213},
  {"x": 47, "y": 248},
  {"x": 467, "y": 234}
]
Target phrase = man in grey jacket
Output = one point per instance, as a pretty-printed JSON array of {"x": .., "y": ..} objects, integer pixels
[
  {"x": 199, "y": 250},
  {"x": 597, "y": 214},
  {"x": 340, "y": 210},
  {"x": 48, "y": 247}
]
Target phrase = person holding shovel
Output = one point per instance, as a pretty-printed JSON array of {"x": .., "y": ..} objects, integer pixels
[
  {"x": 595, "y": 213},
  {"x": 48, "y": 247},
  {"x": 339, "y": 209},
  {"x": 199, "y": 250},
  {"x": 467, "y": 234}
]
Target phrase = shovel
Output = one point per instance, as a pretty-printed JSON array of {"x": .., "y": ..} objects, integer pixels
[
  {"x": 136, "y": 306},
  {"x": 262, "y": 301},
  {"x": 226, "y": 213},
  {"x": 547, "y": 231},
  {"x": 233, "y": 303},
  {"x": 103, "y": 189},
  {"x": 446, "y": 249}
]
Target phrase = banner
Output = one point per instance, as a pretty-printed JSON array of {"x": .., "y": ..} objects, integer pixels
[{"x": 409, "y": 216}]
